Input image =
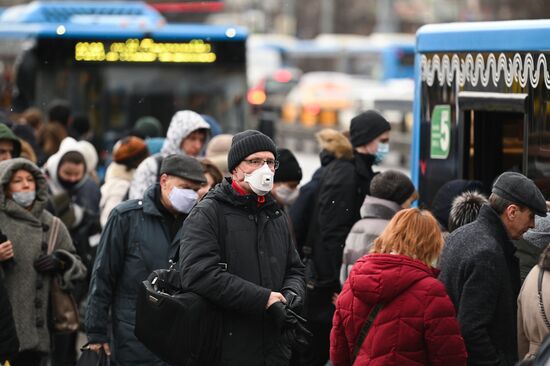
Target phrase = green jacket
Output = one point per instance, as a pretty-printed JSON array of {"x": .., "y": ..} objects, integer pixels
[{"x": 7, "y": 134}]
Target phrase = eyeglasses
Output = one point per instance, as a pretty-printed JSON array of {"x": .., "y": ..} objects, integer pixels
[{"x": 256, "y": 163}]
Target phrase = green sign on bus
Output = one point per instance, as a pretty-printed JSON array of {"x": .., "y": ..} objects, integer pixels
[{"x": 440, "y": 132}]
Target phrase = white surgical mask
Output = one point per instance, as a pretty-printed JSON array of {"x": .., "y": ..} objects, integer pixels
[
  {"x": 24, "y": 199},
  {"x": 260, "y": 180},
  {"x": 286, "y": 195},
  {"x": 183, "y": 199}
]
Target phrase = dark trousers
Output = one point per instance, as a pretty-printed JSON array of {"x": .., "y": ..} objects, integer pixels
[
  {"x": 64, "y": 349},
  {"x": 319, "y": 311},
  {"x": 28, "y": 358}
]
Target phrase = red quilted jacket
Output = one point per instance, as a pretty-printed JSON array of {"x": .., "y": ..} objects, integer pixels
[{"x": 416, "y": 326}]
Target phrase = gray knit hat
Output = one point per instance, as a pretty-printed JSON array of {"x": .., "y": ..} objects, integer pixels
[
  {"x": 246, "y": 143},
  {"x": 519, "y": 189},
  {"x": 540, "y": 234}
]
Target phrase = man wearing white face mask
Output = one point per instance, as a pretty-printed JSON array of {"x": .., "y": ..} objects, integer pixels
[
  {"x": 237, "y": 251},
  {"x": 138, "y": 238}
]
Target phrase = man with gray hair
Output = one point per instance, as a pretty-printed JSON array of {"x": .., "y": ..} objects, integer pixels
[{"x": 481, "y": 273}]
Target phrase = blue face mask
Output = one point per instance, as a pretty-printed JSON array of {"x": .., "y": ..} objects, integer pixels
[
  {"x": 381, "y": 152},
  {"x": 182, "y": 199}
]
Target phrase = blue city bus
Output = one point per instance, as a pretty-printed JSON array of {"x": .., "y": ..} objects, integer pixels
[
  {"x": 118, "y": 61},
  {"x": 482, "y": 103}
]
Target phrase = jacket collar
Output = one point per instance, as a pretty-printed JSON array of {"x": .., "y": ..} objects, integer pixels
[
  {"x": 149, "y": 198},
  {"x": 363, "y": 164},
  {"x": 493, "y": 224},
  {"x": 378, "y": 208},
  {"x": 224, "y": 192}
]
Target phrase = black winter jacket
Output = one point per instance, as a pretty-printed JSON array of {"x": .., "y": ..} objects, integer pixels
[
  {"x": 343, "y": 188},
  {"x": 301, "y": 211},
  {"x": 9, "y": 343},
  {"x": 260, "y": 257},
  {"x": 481, "y": 275},
  {"x": 135, "y": 242}
]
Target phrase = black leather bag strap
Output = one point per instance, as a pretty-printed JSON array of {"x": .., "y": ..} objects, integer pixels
[
  {"x": 541, "y": 304},
  {"x": 365, "y": 330}
]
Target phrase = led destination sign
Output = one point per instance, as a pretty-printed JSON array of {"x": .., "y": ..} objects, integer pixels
[{"x": 146, "y": 50}]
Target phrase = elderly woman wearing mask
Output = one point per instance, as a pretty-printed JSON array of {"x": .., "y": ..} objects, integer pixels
[{"x": 24, "y": 263}]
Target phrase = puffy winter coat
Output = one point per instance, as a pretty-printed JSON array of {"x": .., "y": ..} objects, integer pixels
[
  {"x": 28, "y": 290},
  {"x": 183, "y": 123},
  {"x": 114, "y": 190},
  {"x": 531, "y": 326},
  {"x": 260, "y": 257},
  {"x": 134, "y": 243},
  {"x": 481, "y": 276},
  {"x": 375, "y": 215},
  {"x": 416, "y": 325}
]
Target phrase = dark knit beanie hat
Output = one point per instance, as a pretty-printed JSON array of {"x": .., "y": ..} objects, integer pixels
[
  {"x": 246, "y": 143},
  {"x": 289, "y": 170},
  {"x": 519, "y": 189},
  {"x": 366, "y": 127},
  {"x": 393, "y": 186}
]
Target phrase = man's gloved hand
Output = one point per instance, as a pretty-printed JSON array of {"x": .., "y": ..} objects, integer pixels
[
  {"x": 49, "y": 263},
  {"x": 301, "y": 335},
  {"x": 293, "y": 300},
  {"x": 278, "y": 314},
  {"x": 291, "y": 325}
]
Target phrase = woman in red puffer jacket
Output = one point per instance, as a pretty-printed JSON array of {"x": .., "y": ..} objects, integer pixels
[{"x": 416, "y": 324}]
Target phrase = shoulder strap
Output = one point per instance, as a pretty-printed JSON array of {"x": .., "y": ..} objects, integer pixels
[
  {"x": 54, "y": 231},
  {"x": 365, "y": 330},
  {"x": 541, "y": 304},
  {"x": 221, "y": 234},
  {"x": 221, "y": 239},
  {"x": 158, "y": 159}
]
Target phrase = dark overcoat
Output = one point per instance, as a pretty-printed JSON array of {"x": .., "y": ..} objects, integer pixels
[
  {"x": 481, "y": 275},
  {"x": 135, "y": 242}
]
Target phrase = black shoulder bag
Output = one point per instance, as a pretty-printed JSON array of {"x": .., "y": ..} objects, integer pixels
[
  {"x": 365, "y": 330},
  {"x": 179, "y": 326}
]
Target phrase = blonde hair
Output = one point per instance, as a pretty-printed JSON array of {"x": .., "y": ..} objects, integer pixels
[{"x": 412, "y": 232}]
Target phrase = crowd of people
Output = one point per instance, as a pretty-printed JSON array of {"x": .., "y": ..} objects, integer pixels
[{"x": 378, "y": 281}]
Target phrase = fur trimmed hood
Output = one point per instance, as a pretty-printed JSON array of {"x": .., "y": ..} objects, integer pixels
[{"x": 335, "y": 142}]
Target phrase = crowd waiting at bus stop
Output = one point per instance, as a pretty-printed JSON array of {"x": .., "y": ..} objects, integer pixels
[{"x": 341, "y": 268}]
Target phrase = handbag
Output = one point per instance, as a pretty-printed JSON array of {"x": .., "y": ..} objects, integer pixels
[
  {"x": 178, "y": 325},
  {"x": 63, "y": 308},
  {"x": 92, "y": 358},
  {"x": 181, "y": 327}
]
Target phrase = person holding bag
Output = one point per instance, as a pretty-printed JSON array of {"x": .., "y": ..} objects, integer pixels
[
  {"x": 26, "y": 265},
  {"x": 392, "y": 309}
]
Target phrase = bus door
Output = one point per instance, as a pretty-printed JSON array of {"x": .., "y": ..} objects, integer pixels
[{"x": 492, "y": 135}]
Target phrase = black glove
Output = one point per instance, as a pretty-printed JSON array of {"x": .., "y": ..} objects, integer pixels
[
  {"x": 293, "y": 301},
  {"x": 52, "y": 263},
  {"x": 278, "y": 314}
]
